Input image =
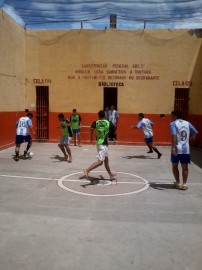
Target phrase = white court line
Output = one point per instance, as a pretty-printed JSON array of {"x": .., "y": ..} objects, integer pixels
[
  {"x": 86, "y": 181},
  {"x": 62, "y": 179},
  {"x": 27, "y": 177}
]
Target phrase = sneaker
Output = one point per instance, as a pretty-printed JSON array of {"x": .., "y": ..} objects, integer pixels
[
  {"x": 159, "y": 155},
  {"x": 177, "y": 185},
  {"x": 184, "y": 187},
  {"x": 16, "y": 158},
  {"x": 25, "y": 153},
  {"x": 150, "y": 151}
]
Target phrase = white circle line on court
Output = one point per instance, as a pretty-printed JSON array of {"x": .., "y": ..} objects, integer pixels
[{"x": 62, "y": 179}]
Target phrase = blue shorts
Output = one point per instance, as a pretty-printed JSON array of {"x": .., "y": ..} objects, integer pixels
[
  {"x": 148, "y": 140},
  {"x": 76, "y": 131},
  {"x": 182, "y": 158},
  {"x": 20, "y": 139}
]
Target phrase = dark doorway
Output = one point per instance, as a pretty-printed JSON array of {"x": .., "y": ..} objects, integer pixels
[
  {"x": 182, "y": 101},
  {"x": 42, "y": 112},
  {"x": 110, "y": 97}
]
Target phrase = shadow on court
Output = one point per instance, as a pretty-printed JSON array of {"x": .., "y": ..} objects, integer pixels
[
  {"x": 94, "y": 180},
  {"x": 21, "y": 157},
  {"x": 139, "y": 156},
  {"x": 161, "y": 186},
  {"x": 58, "y": 158}
]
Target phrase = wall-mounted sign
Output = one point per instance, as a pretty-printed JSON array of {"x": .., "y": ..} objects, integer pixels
[
  {"x": 113, "y": 72},
  {"x": 182, "y": 83},
  {"x": 41, "y": 81}
]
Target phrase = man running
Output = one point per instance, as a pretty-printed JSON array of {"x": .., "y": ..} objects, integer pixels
[
  {"x": 102, "y": 127},
  {"x": 65, "y": 139},
  {"x": 23, "y": 126},
  {"x": 146, "y": 125}
]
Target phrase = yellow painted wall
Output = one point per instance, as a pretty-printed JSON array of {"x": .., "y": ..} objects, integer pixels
[
  {"x": 12, "y": 62},
  {"x": 53, "y": 57},
  {"x": 195, "y": 103},
  {"x": 77, "y": 65}
]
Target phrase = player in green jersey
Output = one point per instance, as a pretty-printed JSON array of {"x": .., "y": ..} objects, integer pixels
[
  {"x": 102, "y": 127},
  {"x": 75, "y": 120},
  {"x": 65, "y": 139}
]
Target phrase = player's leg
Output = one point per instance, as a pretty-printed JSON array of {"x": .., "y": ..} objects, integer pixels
[
  {"x": 92, "y": 167},
  {"x": 74, "y": 136},
  {"x": 150, "y": 144},
  {"x": 17, "y": 150},
  {"x": 185, "y": 160},
  {"x": 61, "y": 146},
  {"x": 96, "y": 164},
  {"x": 28, "y": 139},
  {"x": 176, "y": 175},
  {"x": 67, "y": 148},
  {"x": 69, "y": 153},
  {"x": 106, "y": 163},
  {"x": 175, "y": 170},
  {"x": 157, "y": 151},
  {"x": 79, "y": 137},
  {"x": 185, "y": 173},
  {"x": 114, "y": 138},
  {"x": 18, "y": 142}
]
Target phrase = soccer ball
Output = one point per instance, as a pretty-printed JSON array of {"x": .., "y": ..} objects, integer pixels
[{"x": 30, "y": 154}]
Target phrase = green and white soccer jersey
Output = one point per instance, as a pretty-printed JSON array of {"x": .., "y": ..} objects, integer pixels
[
  {"x": 65, "y": 131},
  {"x": 102, "y": 130},
  {"x": 75, "y": 121}
]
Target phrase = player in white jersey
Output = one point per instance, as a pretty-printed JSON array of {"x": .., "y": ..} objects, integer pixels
[
  {"x": 181, "y": 131},
  {"x": 23, "y": 125},
  {"x": 146, "y": 125},
  {"x": 113, "y": 116}
]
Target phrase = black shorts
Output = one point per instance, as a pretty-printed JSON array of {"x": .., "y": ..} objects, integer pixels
[{"x": 20, "y": 139}]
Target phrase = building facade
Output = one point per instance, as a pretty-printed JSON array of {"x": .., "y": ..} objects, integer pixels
[{"x": 53, "y": 71}]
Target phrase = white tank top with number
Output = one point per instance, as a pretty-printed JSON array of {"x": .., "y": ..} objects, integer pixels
[{"x": 23, "y": 125}]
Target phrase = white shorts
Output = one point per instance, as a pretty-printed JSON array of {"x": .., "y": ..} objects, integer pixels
[
  {"x": 65, "y": 140},
  {"x": 102, "y": 152}
]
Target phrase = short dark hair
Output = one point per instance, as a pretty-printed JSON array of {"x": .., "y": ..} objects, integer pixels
[
  {"x": 74, "y": 110},
  {"x": 176, "y": 113},
  {"x": 101, "y": 114},
  {"x": 61, "y": 115},
  {"x": 29, "y": 114},
  {"x": 141, "y": 115}
]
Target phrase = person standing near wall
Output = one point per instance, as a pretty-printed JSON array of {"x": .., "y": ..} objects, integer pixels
[
  {"x": 181, "y": 131},
  {"x": 23, "y": 126},
  {"x": 107, "y": 112},
  {"x": 65, "y": 139},
  {"x": 75, "y": 120},
  {"x": 146, "y": 125},
  {"x": 113, "y": 117},
  {"x": 102, "y": 127}
]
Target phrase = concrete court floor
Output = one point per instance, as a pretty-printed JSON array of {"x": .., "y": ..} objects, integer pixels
[{"x": 46, "y": 227}]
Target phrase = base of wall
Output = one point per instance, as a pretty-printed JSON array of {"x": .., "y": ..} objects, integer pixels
[
  {"x": 125, "y": 135},
  {"x": 6, "y": 146}
]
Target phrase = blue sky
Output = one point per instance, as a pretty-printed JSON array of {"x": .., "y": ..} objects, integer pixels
[{"x": 131, "y": 14}]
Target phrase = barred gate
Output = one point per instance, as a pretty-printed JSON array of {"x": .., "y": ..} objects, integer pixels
[
  {"x": 42, "y": 112},
  {"x": 182, "y": 101}
]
